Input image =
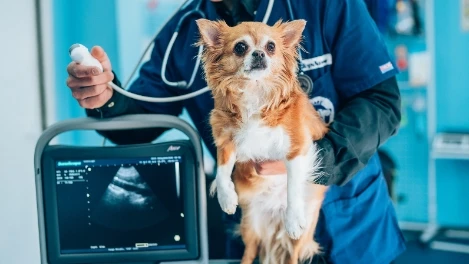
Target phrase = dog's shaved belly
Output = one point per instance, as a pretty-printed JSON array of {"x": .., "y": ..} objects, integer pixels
[{"x": 265, "y": 214}]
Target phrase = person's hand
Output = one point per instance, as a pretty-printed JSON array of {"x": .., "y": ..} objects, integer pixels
[
  {"x": 270, "y": 168},
  {"x": 89, "y": 85}
]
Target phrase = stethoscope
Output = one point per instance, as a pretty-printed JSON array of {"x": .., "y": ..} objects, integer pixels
[{"x": 305, "y": 81}]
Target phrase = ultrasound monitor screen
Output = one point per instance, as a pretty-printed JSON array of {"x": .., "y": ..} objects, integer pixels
[{"x": 120, "y": 205}]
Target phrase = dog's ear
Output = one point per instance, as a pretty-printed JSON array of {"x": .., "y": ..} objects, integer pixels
[
  {"x": 292, "y": 32},
  {"x": 210, "y": 31}
]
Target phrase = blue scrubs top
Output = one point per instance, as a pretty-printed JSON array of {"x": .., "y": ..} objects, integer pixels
[{"x": 345, "y": 55}]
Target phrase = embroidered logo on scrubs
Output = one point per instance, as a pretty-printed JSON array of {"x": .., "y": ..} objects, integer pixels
[
  {"x": 324, "y": 107},
  {"x": 316, "y": 62},
  {"x": 386, "y": 67}
]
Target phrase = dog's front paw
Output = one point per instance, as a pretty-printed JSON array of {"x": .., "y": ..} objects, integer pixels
[
  {"x": 295, "y": 223},
  {"x": 227, "y": 197}
]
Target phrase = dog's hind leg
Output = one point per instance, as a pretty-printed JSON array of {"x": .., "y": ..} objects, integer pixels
[
  {"x": 305, "y": 248},
  {"x": 251, "y": 243}
]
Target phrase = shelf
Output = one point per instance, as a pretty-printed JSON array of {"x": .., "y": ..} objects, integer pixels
[
  {"x": 406, "y": 86},
  {"x": 450, "y": 155},
  {"x": 451, "y": 146}
]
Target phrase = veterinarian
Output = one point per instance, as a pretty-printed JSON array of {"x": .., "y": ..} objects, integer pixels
[{"x": 353, "y": 88}]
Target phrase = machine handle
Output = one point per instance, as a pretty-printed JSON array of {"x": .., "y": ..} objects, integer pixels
[
  {"x": 124, "y": 122},
  {"x": 117, "y": 123}
]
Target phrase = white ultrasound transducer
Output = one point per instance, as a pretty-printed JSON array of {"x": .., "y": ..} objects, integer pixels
[{"x": 81, "y": 55}]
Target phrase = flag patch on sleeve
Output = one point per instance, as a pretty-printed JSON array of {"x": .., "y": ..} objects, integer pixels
[{"x": 386, "y": 67}]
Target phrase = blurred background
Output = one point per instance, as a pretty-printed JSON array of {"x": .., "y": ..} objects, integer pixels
[{"x": 426, "y": 163}]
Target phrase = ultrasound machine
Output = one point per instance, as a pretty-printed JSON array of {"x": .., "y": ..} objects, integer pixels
[{"x": 134, "y": 204}]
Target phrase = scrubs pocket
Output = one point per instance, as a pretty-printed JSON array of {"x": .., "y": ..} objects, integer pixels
[
  {"x": 363, "y": 228},
  {"x": 348, "y": 205}
]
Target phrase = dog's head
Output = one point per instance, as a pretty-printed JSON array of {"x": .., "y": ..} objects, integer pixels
[{"x": 250, "y": 51}]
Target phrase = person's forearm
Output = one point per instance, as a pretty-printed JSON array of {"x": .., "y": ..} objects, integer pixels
[
  {"x": 360, "y": 127},
  {"x": 122, "y": 105}
]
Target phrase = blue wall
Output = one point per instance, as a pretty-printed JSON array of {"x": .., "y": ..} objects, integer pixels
[
  {"x": 89, "y": 23},
  {"x": 452, "y": 68},
  {"x": 452, "y": 107},
  {"x": 123, "y": 28},
  {"x": 137, "y": 25},
  {"x": 409, "y": 147}
]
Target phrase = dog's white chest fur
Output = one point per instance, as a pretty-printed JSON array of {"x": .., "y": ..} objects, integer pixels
[{"x": 255, "y": 141}]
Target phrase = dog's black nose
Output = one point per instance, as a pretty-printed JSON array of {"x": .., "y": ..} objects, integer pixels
[{"x": 258, "y": 54}]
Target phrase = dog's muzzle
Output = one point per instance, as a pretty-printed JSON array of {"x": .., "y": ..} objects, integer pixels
[{"x": 258, "y": 60}]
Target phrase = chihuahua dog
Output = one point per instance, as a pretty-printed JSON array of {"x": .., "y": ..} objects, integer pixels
[{"x": 262, "y": 114}]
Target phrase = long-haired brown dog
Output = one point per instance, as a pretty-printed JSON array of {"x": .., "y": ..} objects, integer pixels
[{"x": 261, "y": 113}]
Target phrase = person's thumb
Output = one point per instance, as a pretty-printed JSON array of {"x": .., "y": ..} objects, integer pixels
[{"x": 102, "y": 57}]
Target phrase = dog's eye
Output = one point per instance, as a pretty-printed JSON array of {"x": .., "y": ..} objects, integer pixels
[
  {"x": 240, "y": 48},
  {"x": 271, "y": 47}
]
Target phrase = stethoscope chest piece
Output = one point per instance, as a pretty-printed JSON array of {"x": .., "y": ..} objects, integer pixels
[{"x": 306, "y": 83}]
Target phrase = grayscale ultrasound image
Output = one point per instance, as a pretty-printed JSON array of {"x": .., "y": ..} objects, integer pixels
[
  {"x": 117, "y": 204},
  {"x": 128, "y": 203}
]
